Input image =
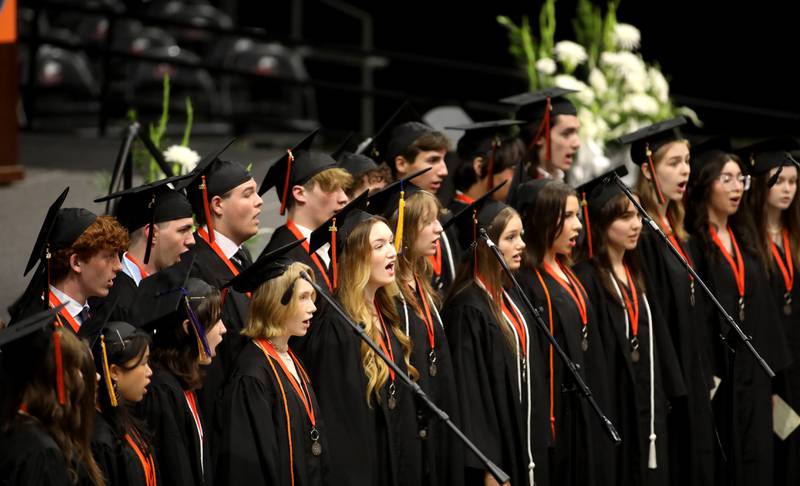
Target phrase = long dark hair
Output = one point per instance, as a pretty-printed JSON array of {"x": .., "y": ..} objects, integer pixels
[
  {"x": 701, "y": 181},
  {"x": 544, "y": 221},
  {"x": 176, "y": 349},
  {"x": 756, "y": 205},
  {"x": 490, "y": 271},
  {"x": 601, "y": 220},
  {"x": 119, "y": 353}
]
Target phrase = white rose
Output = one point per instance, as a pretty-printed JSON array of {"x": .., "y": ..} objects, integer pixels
[
  {"x": 597, "y": 80},
  {"x": 184, "y": 156},
  {"x": 546, "y": 66},
  {"x": 627, "y": 37},
  {"x": 636, "y": 81},
  {"x": 641, "y": 103},
  {"x": 658, "y": 85},
  {"x": 584, "y": 93},
  {"x": 570, "y": 53}
]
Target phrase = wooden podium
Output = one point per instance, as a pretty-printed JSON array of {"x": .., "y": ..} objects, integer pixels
[{"x": 10, "y": 169}]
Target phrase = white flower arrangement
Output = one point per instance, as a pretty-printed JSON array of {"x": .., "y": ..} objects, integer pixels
[
  {"x": 617, "y": 90},
  {"x": 184, "y": 157}
]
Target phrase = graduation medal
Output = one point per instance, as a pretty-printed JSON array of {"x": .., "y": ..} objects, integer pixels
[
  {"x": 635, "y": 349},
  {"x": 392, "y": 401},
  {"x": 691, "y": 293},
  {"x": 787, "y": 304},
  {"x": 432, "y": 368},
  {"x": 741, "y": 308},
  {"x": 316, "y": 447},
  {"x": 585, "y": 340}
]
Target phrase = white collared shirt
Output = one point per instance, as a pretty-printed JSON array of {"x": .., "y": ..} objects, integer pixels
[
  {"x": 131, "y": 269},
  {"x": 228, "y": 247},
  {"x": 72, "y": 306},
  {"x": 547, "y": 175},
  {"x": 322, "y": 252}
]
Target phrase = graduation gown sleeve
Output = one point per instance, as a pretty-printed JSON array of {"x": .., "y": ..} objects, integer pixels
[{"x": 29, "y": 456}]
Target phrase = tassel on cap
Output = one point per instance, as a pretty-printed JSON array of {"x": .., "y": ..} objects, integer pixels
[
  {"x": 112, "y": 397},
  {"x": 285, "y": 193},
  {"x": 206, "y": 209}
]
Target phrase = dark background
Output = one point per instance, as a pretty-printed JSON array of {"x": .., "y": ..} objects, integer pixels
[{"x": 735, "y": 64}]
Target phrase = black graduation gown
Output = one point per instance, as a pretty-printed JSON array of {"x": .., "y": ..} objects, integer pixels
[
  {"x": 451, "y": 257},
  {"x": 630, "y": 383},
  {"x": 787, "y": 453},
  {"x": 114, "y": 456},
  {"x": 369, "y": 445},
  {"x": 116, "y": 306},
  {"x": 29, "y": 456},
  {"x": 494, "y": 414},
  {"x": 443, "y": 454},
  {"x": 743, "y": 402},
  {"x": 691, "y": 424},
  {"x": 175, "y": 441},
  {"x": 582, "y": 452},
  {"x": 283, "y": 236},
  {"x": 255, "y": 446},
  {"x": 211, "y": 269}
]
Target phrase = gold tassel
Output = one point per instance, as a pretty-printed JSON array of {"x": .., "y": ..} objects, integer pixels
[
  {"x": 398, "y": 236},
  {"x": 112, "y": 397}
]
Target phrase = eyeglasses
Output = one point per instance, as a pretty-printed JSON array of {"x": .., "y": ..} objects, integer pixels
[{"x": 728, "y": 179}]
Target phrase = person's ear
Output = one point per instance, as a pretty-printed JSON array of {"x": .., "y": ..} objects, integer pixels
[
  {"x": 215, "y": 205},
  {"x": 477, "y": 166},
  {"x": 402, "y": 165},
  {"x": 75, "y": 263},
  {"x": 299, "y": 194}
]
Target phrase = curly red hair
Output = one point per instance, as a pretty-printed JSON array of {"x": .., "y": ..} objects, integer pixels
[{"x": 105, "y": 233}]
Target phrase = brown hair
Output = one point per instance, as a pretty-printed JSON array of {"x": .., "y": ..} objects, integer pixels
[
  {"x": 105, "y": 233},
  {"x": 175, "y": 349},
  {"x": 756, "y": 204},
  {"x": 544, "y": 221},
  {"x": 425, "y": 143},
  {"x": 355, "y": 263},
  {"x": 70, "y": 425},
  {"x": 490, "y": 270},
  {"x": 267, "y": 313},
  {"x": 507, "y": 156},
  {"x": 361, "y": 180},
  {"x": 420, "y": 209},
  {"x": 647, "y": 194}
]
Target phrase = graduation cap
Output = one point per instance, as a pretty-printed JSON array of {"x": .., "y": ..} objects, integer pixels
[
  {"x": 295, "y": 167},
  {"x": 269, "y": 265},
  {"x": 343, "y": 147},
  {"x": 393, "y": 196},
  {"x": 595, "y": 194},
  {"x": 483, "y": 139},
  {"x": 701, "y": 151},
  {"x": 402, "y": 129},
  {"x": 111, "y": 339},
  {"x": 766, "y": 155},
  {"x": 22, "y": 345},
  {"x": 646, "y": 142},
  {"x": 212, "y": 177},
  {"x": 542, "y": 105},
  {"x": 356, "y": 164},
  {"x": 336, "y": 230},
  {"x": 149, "y": 204},
  {"x": 168, "y": 297}
]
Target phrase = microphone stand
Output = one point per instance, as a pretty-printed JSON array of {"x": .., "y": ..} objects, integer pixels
[
  {"x": 495, "y": 471},
  {"x": 746, "y": 340},
  {"x": 571, "y": 366}
]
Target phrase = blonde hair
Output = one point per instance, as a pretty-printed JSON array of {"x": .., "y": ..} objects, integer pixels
[
  {"x": 329, "y": 180},
  {"x": 421, "y": 208},
  {"x": 267, "y": 313},
  {"x": 647, "y": 194},
  {"x": 355, "y": 263}
]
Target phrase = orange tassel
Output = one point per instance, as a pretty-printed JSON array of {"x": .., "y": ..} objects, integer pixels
[
  {"x": 285, "y": 193},
  {"x": 585, "y": 206},
  {"x": 544, "y": 130},
  {"x": 334, "y": 266},
  {"x": 490, "y": 165},
  {"x": 59, "y": 366},
  {"x": 207, "y": 210}
]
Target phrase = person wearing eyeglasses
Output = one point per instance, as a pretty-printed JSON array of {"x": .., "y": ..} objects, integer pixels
[{"x": 724, "y": 253}]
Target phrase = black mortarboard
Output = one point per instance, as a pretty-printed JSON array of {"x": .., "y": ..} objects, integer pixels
[
  {"x": 269, "y": 265},
  {"x": 648, "y": 140},
  {"x": 761, "y": 157},
  {"x": 336, "y": 230},
  {"x": 356, "y": 164},
  {"x": 343, "y": 147},
  {"x": 40, "y": 247},
  {"x": 212, "y": 177},
  {"x": 480, "y": 138},
  {"x": 533, "y": 106},
  {"x": 169, "y": 296},
  {"x": 401, "y": 130},
  {"x": 542, "y": 105},
  {"x": 594, "y": 195},
  {"x": 486, "y": 209},
  {"x": 701, "y": 151},
  {"x": 295, "y": 167},
  {"x": 29, "y": 325},
  {"x": 149, "y": 204}
]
